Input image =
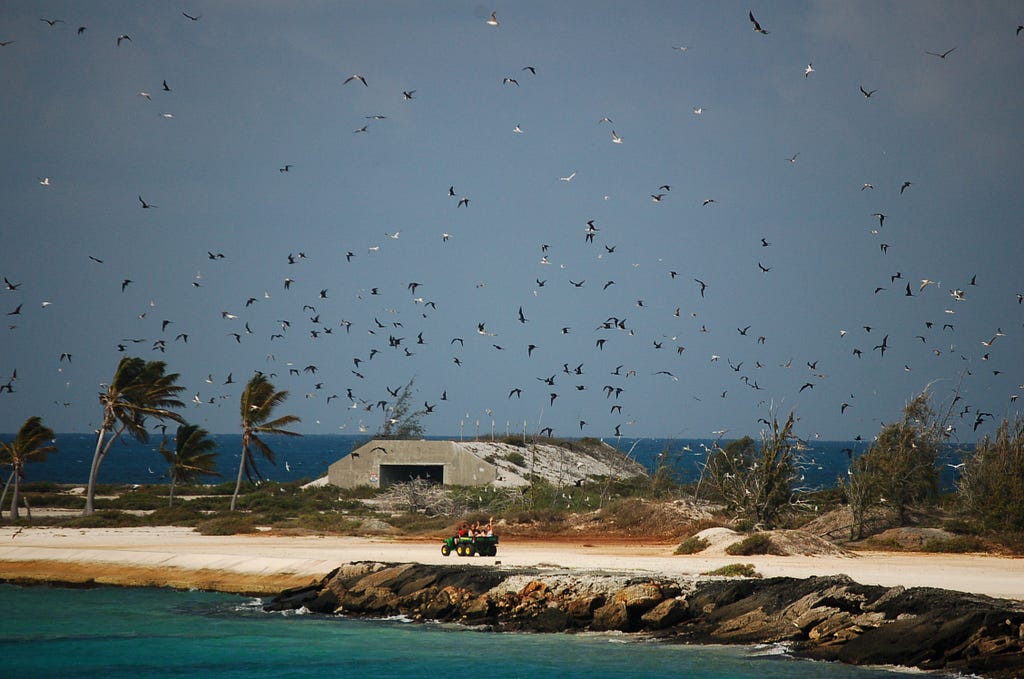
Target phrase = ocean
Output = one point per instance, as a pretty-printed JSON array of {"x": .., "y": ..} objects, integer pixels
[
  {"x": 151, "y": 633},
  {"x": 307, "y": 457}
]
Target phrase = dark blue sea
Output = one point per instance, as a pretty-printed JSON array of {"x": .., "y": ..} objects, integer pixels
[
  {"x": 149, "y": 633},
  {"x": 307, "y": 457}
]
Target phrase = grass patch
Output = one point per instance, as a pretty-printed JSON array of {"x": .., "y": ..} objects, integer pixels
[
  {"x": 230, "y": 524},
  {"x": 961, "y": 544},
  {"x": 735, "y": 570},
  {"x": 107, "y": 519},
  {"x": 692, "y": 545},
  {"x": 758, "y": 543}
]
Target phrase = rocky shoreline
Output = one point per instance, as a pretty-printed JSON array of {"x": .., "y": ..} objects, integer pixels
[{"x": 824, "y": 618}]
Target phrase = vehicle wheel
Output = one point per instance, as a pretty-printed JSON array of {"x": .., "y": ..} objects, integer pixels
[
  {"x": 445, "y": 550},
  {"x": 461, "y": 550}
]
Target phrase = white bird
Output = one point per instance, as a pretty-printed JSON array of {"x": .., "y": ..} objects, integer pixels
[
  {"x": 698, "y": 110},
  {"x": 517, "y": 129},
  {"x": 140, "y": 93},
  {"x": 616, "y": 139},
  {"x": 569, "y": 178},
  {"x": 493, "y": 21},
  {"x": 44, "y": 181},
  {"x": 808, "y": 70}
]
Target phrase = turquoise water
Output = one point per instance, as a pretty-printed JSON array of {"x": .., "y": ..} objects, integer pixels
[{"x": 144, "y": 633}]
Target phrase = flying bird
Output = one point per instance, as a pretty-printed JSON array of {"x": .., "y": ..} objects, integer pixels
[
  {"x": 145, "y": 205},
  {"x": 123, "y": 36},
  {"x": 192, "y": 18},
  {"x": 867, "y": 94},
  {"x": 757, "y": 26},
  {"x": 356, "y": 77},
  {"x": 808, "y": 70},
  {"x": 616, "y": 139},
  {"x": 943, "y": 55},
  {"x": 493, "y": 21}
]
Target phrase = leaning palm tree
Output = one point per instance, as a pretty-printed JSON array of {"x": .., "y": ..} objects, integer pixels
[
  {"x": 194, "y": 455},
  {"x": 140, "y": 389},
  {"x": 32, "y": 442},
  {"x": 257, "y": 408}
]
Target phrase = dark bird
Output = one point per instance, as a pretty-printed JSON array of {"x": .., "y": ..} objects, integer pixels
[
  {"x": 123, "y": 36},
  {"x": 943, "y": 55},
  {"x": 765, "y": 243},
  {"x": 356, "y": 77},
  {"x": 11, "y": 286},
  {"x": 125, "y": 283},
  {"x": 884, "y": 345},
  {"x": 145, "y": 205},
  {"x": 16, "y": 312},
  {"x": 53, "y": 22},
  {"x": 408, "y": 94},
  {"x": 190, "y": 17},
  {"x": 286, "y": 168},
  {"x": 867, "y": 94},
  {"x": 881, "y": 218},
  {"x": 757, "y": 26},
  {"x": 463, "y": 202},
  {"x": 522, "y": 318},
  {"x": 905, "y": 186},
  {"x": 807, "y": 385},
  {"x": 166, "y": 87},
  {"x": 703, "y": 286}
]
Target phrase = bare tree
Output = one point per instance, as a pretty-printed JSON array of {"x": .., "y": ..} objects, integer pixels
[{"x": 756, "y": 484}]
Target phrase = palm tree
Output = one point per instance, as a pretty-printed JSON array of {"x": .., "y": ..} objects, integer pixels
[
  {"x": 32, "y": 442},
  {"x": 194, "y": 455},
  {"x": 257, "y": 407},
  {"x": 139, "y": 389}
]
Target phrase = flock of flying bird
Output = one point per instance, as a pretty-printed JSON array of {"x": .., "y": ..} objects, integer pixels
[{"x": 552, "y": 377}]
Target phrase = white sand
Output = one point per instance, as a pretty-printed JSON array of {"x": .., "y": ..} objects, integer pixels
[{"x": 181, "y": 557}]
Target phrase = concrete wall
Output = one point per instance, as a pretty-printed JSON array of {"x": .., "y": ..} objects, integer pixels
[{"x": 362, "y": 467}]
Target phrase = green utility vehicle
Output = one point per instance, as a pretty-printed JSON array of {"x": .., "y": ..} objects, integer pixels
[{"x": 483, "y": 545}]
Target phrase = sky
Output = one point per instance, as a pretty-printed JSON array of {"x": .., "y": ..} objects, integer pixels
[{"x": 427, "y": 221}]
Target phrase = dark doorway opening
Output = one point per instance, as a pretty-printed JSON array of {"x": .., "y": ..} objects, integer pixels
[{"x": 391, "y": 474}]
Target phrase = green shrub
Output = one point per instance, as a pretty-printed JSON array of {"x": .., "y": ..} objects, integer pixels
[
  {"x": 106, "y": 519},
  {"x": 692, "y": 545},
  {"x": 182, "y": 514},
  {"x": 961, "y": 544},
  {"x": 229, "y": 524},
  {"x": 758, "y": 543},
  {"x": 516, "y": 458},
  {"x": 735, "y": 570}
]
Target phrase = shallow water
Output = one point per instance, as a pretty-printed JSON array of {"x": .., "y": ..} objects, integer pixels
[{"x": 145, "y": 633}]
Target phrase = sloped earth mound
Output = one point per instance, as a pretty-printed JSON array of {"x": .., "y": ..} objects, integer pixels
[{"x": 783, "y": 543}]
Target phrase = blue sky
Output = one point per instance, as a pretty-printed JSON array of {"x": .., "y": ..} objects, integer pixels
[{"x": 735, "y": 119}]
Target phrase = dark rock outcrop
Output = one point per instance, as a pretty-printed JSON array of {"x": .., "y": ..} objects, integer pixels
[{"x": 825, "y": 618}]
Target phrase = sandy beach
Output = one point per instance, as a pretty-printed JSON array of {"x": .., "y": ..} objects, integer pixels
[{"x": 265, "y": 563}]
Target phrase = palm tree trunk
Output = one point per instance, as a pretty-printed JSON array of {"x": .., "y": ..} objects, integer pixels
[
  {"x": 241, "y": 470},
  {"x": 16, "y": 474},
  {"x": 170, "y": 497},
  {"x": 93, "y": 471}
]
